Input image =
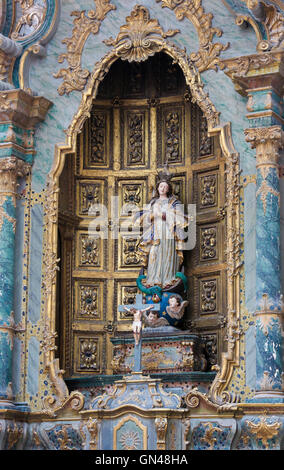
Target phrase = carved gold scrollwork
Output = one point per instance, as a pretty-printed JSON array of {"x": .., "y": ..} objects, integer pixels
[
  {"x": 264, "y": 430},
  {"x": 33, "y": 14},
  {"x": 140, "y": 38},
  {"x": 272, "y": 20},
  {"x": 74, "y": 77},
  {"x": 62, "y": 398},
  {"x": 201, "y": 98},
  {"x": 208, "y": 55}
]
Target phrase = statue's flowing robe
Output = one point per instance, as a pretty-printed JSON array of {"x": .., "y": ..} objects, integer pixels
[{"x": 160, "y": 246}]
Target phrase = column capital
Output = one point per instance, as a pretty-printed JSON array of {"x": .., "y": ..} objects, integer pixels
[
  {"x": 22, "y": 108},
  {"x": 12, "y": 168},
  {"x": 264, "y": 135}
]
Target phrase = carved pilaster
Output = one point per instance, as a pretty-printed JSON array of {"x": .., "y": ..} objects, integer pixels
[
  {"x": 19, "y": 113},
  {"x": 269, "y": 309},
  {"x": 161, "y": 425},
  {"x": 10, "y": 170}
]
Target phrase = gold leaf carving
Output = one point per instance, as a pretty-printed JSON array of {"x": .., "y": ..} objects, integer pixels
[
  {"x": 264, "y": 431},
  {"x": 33, "y": 15},
  {"x": 74, "y": 77},
  {"x": 210, "y": 432},
  {"x": 140, "y": 38},
  {"x": 207, "y": 56}
]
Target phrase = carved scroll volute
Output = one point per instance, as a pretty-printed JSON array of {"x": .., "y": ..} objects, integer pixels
[
  {"x": 140, "y": 38},
  {"x": 61, "y": 399}
]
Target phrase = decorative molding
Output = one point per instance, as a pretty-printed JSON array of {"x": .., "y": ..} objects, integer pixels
[
  {"x": 93, "y": 428},
  {"x": 23, "y": 109},
  {"x": 208, "y": 55},
  {"x": 161, "y": 425},
  {"x": 272, "y": 135},
  {"x": 193, "y": 79},
  {"x": 32, "y": 18},
  {"x": 272, "y": 21},
  {"x": 140, "y": 38},
  {"x": 62, "y": 398},
  {"x": 74, "y": 77},
  {"x": 10, "y": 169},
  {"x": 264, "y": 430},
  {"x": 230, "y": 359}
]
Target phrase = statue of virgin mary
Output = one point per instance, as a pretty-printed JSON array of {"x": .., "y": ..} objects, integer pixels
[{"x": 162, "y": 241}]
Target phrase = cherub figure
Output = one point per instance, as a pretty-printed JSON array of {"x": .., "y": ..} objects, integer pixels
[
  {"x": 153, "y": 320},
  {"x": 137, "y": 321},
  {"x": 176, "y": 307}
]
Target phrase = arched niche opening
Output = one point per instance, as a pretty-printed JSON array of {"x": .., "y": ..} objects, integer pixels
[{"x": 142, "y": 117}]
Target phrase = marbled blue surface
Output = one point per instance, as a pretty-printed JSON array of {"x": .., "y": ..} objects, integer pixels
[
  {"x": 250, "y": 246},
  {"x": 35, "y": 280},
  {"x": 268, "y": 237},
  {"x": 250, "y": 357},
  {"x": 5, "y": 363},
  {"x": 7, "y": 245},
  {"x": 18, "y": 270},
  {"x": 269, "y": 364},
  {"x": 33, "y": 366}
]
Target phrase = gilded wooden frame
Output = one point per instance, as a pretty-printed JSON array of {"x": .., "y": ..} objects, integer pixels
[{"x": 218, "y": 393}]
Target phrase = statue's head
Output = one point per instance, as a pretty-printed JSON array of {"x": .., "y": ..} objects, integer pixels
[
  {"x": 174, "y": 300},
  {"x": 164, "y": 181},
  {"x": 163, "y": 187}
]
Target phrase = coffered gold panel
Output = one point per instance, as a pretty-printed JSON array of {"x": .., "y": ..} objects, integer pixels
[
  {"x": 207, "y": 184},
  {"x": 209, "y": 243},
  {"x": 89, "y": 300},
  {"x": 180, "y": 187},
  {"x": 97, "y": 142},
  {"x": 209, "y": 295},
  {"x": 89, "y": 251},
  {"x": 126, "y": 139},
  {"x": 87, "y": 353},
  {"x": 128, "y": 257},
  {"x": 135, "y": 132},
  {"x": 202, "y": 146},
  {"x": 90, "y": 193},
  {"x": 171, "y": 132},
  {"x": 132, "y": 193}
]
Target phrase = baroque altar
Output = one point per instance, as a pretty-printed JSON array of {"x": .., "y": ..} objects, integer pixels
[{"x": 114, "y": 337}]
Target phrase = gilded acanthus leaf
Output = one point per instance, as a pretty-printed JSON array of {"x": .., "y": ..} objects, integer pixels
[
  {"x": 264, "y": 430},
  {"x": 140, "y": 37}
]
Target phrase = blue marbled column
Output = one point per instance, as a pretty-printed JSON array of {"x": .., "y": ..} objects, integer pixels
[
  {"x": 7, "y": 241},
  {"x": 269, "y": 306},
  {"x": 10, "y": 169}
]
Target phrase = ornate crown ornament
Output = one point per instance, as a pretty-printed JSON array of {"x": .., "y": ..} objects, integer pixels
[{"x": 164, "y": 175}]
